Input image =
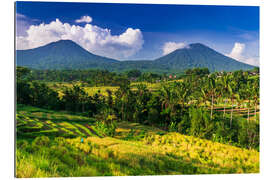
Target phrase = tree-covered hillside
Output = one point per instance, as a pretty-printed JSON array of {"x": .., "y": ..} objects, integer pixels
[{"x": 63, "y": 54}]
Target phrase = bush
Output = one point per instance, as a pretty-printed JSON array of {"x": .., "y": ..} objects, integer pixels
[
  {"x": 22, "y": 144},
  {"x": 107, "y": 129},
  {"x": 201, "y": 125},
  {"x": 153, "y": 116},
  {"x": 106, "y": 122},
  {"x": 41, "y": 141},
  {"x": 172, "y": 127},
  {"x": 184, "y": 124}
]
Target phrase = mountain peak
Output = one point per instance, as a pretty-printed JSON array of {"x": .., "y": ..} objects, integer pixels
[
  {"x": 192, "y": 45},
  {"x": 200, "y": 55},
  {"x": 197, "y": 45},
  {"x": 64, "y": 54},
  {"x": 63, "y": 42}
]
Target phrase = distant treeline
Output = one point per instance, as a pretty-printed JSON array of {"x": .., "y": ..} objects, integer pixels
[
  {"x": 104, "y": 77},
  {"x": 93, "y": 77},
  {"x": 96, "y": 77}
]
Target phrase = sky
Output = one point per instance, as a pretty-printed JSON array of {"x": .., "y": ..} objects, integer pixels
[{"x": 140, "y": 31}]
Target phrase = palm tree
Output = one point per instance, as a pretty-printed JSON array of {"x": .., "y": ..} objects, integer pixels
[
  {"x": 122, "y": 95},
  {"x": 142, "y": 97},
  {"x": 233, "y": 95},
  {"x": 225, "y": 89},
  {"x": 110, "y": 99},
  {"x": 166, "y": 96},
  {"x": 248, "y": 93},
  {"x": 212, "y": 86},
  {"x": 255, "y": 94},
  {"x": 204, "y": 95},
  {"x": 182, "y": 93},
  {"x": 169, "y": 99}
]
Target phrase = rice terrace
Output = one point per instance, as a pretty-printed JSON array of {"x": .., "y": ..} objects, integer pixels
[{"x": 93, "y": 103}]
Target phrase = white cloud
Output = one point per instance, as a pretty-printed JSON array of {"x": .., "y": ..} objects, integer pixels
[
  {"x": 93, "y": 38},
  {"x": 237, "y": 54},
  {"x": 86, "y": 19},
  {"x": 253, "y": 61},
  {"x": 237, "y": 51},
  {"x": 20, "y": 16},
  {"x": 169, "y": 47}
]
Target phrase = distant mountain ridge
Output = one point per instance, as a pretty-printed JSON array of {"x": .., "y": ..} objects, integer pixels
[
  {"x": 63, "y": 54},
  {"x": 199, "y": 55},
  {"x": 66, "y": 54}
]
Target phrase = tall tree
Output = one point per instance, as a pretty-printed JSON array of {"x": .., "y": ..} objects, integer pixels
[
  {"x": 225, "y": 90},
  {"x": 256, "y": 94},
  {"x": 233, "y": 94},
  {"x": 212, "y": 86}
]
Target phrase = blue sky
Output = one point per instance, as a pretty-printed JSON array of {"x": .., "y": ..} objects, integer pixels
[{"x": 142, "y": 31}]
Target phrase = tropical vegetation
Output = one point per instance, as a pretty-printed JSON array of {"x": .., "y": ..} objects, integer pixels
[{"x": 136, "y": 123}]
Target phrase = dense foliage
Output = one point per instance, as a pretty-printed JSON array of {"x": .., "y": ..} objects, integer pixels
[{"x": 187, "y": 106}]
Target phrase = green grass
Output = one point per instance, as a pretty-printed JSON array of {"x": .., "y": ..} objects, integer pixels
[
  {"x": 153, "y": 155},
  {"x": 134, "y": 150}
]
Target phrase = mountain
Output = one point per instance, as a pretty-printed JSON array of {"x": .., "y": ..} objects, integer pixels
[
  {"x": 199, "y": 55},
  {"x": 66, "y": 54},
  {"x": 63, "y": 54}
]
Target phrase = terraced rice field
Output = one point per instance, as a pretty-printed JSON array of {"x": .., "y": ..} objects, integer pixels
[
  {"x": 100, "y": 89},
  {"x": 135, "y": 149},
  {"x": 32, "y": 122}
]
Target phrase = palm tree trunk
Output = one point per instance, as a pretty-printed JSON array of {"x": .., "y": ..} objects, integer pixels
[
  {"x": 212, "y": 106},
  {"x": 231, "y": 115},
  {"x": 122, "y": 109},
  {"x": 248, "y": 110},
  {"x": 248, "y": 116},
  {"x": 224, "y": 111},
  {"x": 82, "y": 107},
  {"x": 255, "y": 111}
]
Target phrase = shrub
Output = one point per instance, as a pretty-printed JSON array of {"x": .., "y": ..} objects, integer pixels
[
  {"x": 106, "y": 122},
  {"x": 107, "y": 129},
  {"x": 41, "y": 141},
  {"x": 153, "y": 116},
  {"x": 172, "y": 127},
  {"x": 22, "y": 144}
]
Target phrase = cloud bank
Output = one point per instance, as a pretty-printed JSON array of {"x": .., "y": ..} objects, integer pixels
[
  {"x": 169, "y": 47},
  {"x": 93, "y": 38},
  {"x": 237, "y": 53},
  {"x": 86, "y": 19}
]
